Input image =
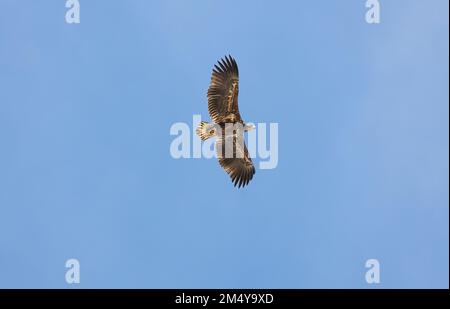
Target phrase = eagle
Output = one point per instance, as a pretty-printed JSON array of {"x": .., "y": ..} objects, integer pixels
[{"x": 227, "y": 126}]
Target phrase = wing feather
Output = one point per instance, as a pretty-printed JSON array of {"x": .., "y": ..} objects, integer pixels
[
  {"x": 240, "y": 166},
  {"x": 223, "y": 90}
]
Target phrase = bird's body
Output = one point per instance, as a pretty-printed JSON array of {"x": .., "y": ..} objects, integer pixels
[{"x": 227, "y": 125}]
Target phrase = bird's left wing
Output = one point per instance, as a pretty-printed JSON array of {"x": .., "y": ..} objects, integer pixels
[{"x": 238, "y": 163}]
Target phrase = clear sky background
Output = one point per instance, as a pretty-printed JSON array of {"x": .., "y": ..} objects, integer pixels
[{"x": 86, "y": 172}]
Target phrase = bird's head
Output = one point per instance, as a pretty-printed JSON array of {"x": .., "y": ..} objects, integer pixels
[{"x": 249, "y": 126}]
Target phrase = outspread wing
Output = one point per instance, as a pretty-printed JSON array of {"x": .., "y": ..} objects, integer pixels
[
  {"x": 238, "y": 165},
  {"x": 223, "y": 90}
]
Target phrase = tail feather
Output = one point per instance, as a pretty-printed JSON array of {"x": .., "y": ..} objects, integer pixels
[{"x": 205, "y": 130}]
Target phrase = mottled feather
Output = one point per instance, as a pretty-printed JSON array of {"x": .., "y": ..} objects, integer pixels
[
  {"x": 224, "y": 90},
  {"x": 239, "y": 166}
]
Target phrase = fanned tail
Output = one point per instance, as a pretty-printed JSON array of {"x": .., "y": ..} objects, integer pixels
[{"x": 205, "y": 130}]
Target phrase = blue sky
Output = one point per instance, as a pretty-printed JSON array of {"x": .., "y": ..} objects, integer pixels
[{"x": 86, "y": 172}]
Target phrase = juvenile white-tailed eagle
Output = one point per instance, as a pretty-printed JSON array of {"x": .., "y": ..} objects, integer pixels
[{"x": 227, "y": 125}]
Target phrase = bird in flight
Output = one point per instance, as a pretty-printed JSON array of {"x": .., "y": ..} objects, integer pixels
[{"x": 227, "y": 126}]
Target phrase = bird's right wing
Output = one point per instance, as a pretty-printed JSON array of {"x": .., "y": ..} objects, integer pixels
[{"x": 223, "y": 90}]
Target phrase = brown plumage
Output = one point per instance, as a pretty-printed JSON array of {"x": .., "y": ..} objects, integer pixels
[{"x": 224, "y": 111}]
